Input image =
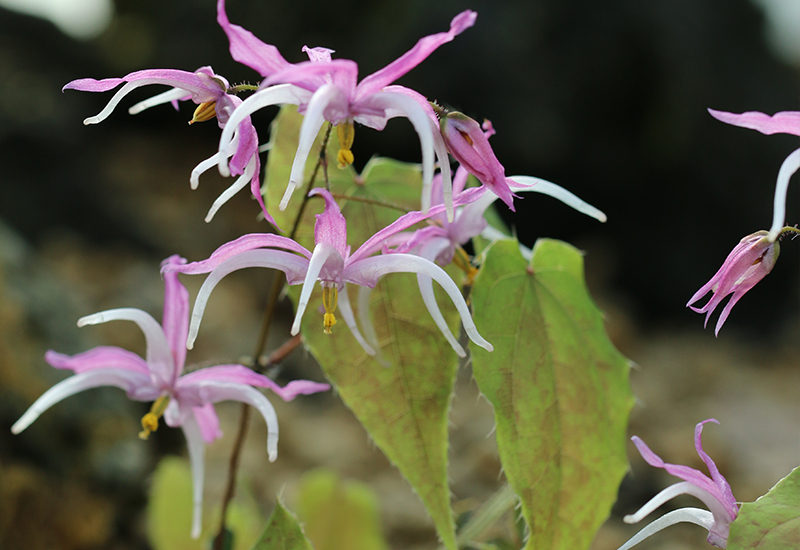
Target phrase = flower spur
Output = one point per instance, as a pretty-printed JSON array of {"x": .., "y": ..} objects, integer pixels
[
  {"x": 331, "y": 263},
  {"x": 714, "y": 492},
  {"x": 184, "y": 400}
]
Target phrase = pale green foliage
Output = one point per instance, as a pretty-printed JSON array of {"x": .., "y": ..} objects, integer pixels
[
  {"x": 773, "y": 521},
  {"x": 282, "y": 532},
  {"x": 339, "y": 514},
  {"x": 559, "y": 390},
  {"x": 169, "y": 512}
]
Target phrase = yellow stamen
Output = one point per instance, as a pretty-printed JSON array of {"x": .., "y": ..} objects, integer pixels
[
  {"x": 330, "y": 295},
  {"x": 205, "y": 111},
  {"x": 150, "y": 420},
  {"x": 346, "y": 133}
]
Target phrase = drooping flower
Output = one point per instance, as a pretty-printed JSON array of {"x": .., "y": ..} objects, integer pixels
[
  {"x": 331, "y": 263},
  {"x": 714, "y": 492},
  {"x": 749, "y": 262},
  {"x": 211, "y": 93},
  {"x": 184, "y": 400},
  {"x": 786, "y": 122},
  {"x": 327, "y": 89}
]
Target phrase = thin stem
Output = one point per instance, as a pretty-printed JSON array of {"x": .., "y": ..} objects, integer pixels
[
  {"x": 367, "y": 200},
  {"x": 244, "y": 418},
  {"x": 242, "y": 88},
  {"x": 487, "y": 515}
]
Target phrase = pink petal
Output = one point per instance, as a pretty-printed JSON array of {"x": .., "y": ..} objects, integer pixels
[
  {"x": 785, "y": 122},
  {"x": 413, "y": 57},
  {"x": 330, "y": 227},
  {"x": 208, "y": 421},
  {"x": 176, "y": 313},
  {"x": 101, "y": 357},
  {"x": 249, "y": 50}
]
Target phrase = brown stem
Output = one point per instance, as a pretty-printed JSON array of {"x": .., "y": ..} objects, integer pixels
[
  {"x": 367, "y": 200},
  {"x": 281, "y": 352}
]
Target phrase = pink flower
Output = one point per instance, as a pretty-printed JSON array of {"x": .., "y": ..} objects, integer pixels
[
  {"x": 714, "y": 492},
  {"x": 185, "y": 401},
  {"x": 327, "y": 89},
  {"x": 749, "y": 262},
  {"x": 210, "y": 92},
  {"x": 332, "y": 264}
]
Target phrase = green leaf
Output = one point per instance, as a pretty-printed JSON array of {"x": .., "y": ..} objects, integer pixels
[
  {"x": 169, "y": 512},
  {"x": 282, "y": 532},
  {"x": 338, "y": 514},
  {"x": 559, "y": 389},
  {"x": 773, "y": 521},
  {"x": 403, "y": 398}
]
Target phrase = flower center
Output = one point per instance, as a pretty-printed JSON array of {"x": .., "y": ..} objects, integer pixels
[
  {"x": 346, "y": 133},
  {"x": 330, "y": 295},
  {"x": 205, "y": 111},
  {"x": 150, "y": 420}
]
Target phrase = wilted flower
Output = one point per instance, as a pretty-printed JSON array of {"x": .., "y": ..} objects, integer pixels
[
  {"x": 749, "y": 262},
  {"x": 331, "y": 264},
  {"x": 211, "y": 93},
  {"x": 185, "y": 401},
  {"x": 714, "y": 492},
  {"x": 326, "y": 89}
]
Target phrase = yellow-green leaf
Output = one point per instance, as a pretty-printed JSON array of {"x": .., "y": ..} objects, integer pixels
[
  {"x": 282, "y": 532},
  {"x": 559, "y": 389},
  {"x": 773, "y": 521},
  {"x": 339, "y": 514}
]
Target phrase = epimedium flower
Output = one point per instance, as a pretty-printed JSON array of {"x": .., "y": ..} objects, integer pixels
[
  {"x": 749, "y": 262},
  {"x": 327, "y": 89},
  {"x": 214, "y": 98},
  {"x": 330, "y": 263},
  {"x": 714, "y": 492},
  {"x": 442, "y": 240},
  {"x": 184, "y": 400}
]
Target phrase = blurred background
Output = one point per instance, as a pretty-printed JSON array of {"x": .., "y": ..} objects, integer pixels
[{"x": 608, "y": 100}]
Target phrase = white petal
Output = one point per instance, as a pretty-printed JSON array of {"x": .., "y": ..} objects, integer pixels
[
  {"x": 372, "y": 268},
  {"x": 703, "y": 518},
  {"x": 367, "y": 325},
  {"x": 318, "y": 258},
  {"x": 216, "y": 391},
  {"x": 429, "y": 251},
  {"x": 121, "y": 378},
  {"x": 788, "y": 168},
  {"x": 201, "y": 168},
  {"x": 274, "y": 95},
  {"x": 350, "y": 320},
  {"x": 197, "y": 447},
  {"x": 291, "y": 264},
  {"x": 165, "y": 97},
  {"x": 538, "y": 185},
  {"x": 127, "y": 88},
  {"x": 422, "y": 124},
  {"x": 312, "y": 122},
  {"x": 159, "y": 355},
  {"x": 235, "y": 187},
  {"x": 681, "y": 488}
]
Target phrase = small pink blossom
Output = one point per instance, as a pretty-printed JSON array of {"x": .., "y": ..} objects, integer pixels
[
  {"x": 749, "y": 262},
  {"x": 184, "y": 400},
  {"x": 210, "y": 92},
  {"x": 714, "y": 492},
  {"x": 332, "y": 265}
]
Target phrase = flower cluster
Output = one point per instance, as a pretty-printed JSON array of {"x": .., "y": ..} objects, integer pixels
[{"x": 423, "y": 241}]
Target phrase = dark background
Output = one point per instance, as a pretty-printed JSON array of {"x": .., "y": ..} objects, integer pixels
[{"x": 607, "y": 99}]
